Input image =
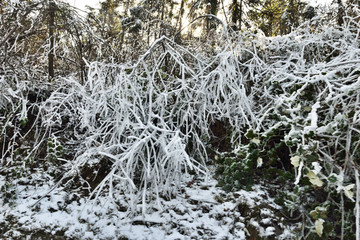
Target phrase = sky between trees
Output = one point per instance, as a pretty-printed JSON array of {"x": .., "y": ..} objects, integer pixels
[{"x": 81, "y": 4}]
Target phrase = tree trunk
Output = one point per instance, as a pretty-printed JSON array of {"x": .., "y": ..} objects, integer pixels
[
  {"x": 240, "y": 14},
  {"x": 236, "y": 16},
  {"x": 341, "y": 13},
  {"x": 51, "y": 39}
]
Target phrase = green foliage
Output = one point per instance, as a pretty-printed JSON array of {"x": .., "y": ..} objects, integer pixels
[
  {"x": 23, "y": 122},
  {"x": 236, "y": 173},
  {"x": 263, "y": 157},
  {"x": 308, "y": 140},
  {"x": 54, "y": 149},
  {"x": 8, "y": 192}
]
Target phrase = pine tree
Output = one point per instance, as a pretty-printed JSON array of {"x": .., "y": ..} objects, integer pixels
[{"x": 238, "y": 13}]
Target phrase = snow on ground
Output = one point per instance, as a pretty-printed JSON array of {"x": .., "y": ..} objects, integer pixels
[{"x": 200, "y": 211}]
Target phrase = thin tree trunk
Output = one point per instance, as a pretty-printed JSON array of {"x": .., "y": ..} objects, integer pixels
[
  {"x": 225, "y": 15},
  {"x": 341, "y": 13},
  {"x": 162, "y": 19},
  {"x": 240, "y": 14},
  {"x": 51, "y": 39},
  {"x": 235, "y": 15},
  {"x": 179, "y": 21}
]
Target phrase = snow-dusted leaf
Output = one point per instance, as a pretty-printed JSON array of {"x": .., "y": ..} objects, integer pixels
[
  {"x": 319, "y": 226},
  {"x": 317, "y": 167},
  {"x": 295, "y": 161},
  {"x": 299, "y": 174},
  {"x": 313, "y": 118},
  {"x": 314, "y": 179},
  {"x": 256, "y": 141},
  {"x": 348, "y": 192}
]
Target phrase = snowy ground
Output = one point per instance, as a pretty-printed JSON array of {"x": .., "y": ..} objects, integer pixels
[{"x": 200, "y": 211}]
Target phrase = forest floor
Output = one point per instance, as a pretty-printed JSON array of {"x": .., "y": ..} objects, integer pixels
[{"x": 200, "y": 211}]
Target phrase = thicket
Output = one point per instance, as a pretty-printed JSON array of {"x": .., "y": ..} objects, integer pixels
[{"x": 281, "y": 111}]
